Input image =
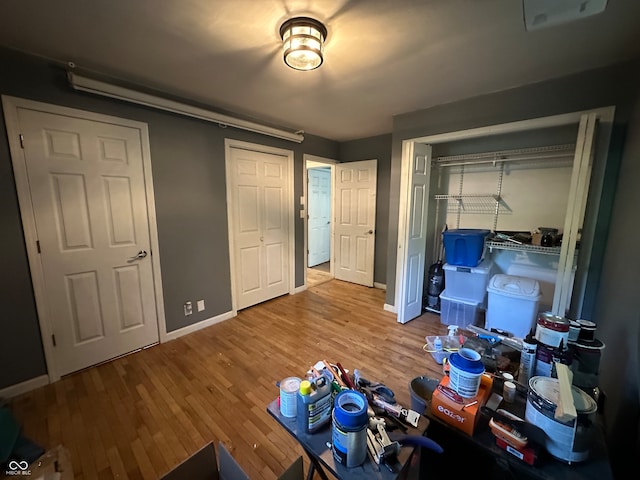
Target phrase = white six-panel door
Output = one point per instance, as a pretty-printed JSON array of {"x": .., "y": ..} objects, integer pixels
[
  {"x": 87, "y": 190},
  {"x": 259, "y": 222},
  {"x": 413, "y": 246},
  {"x": 319, "y": 209},
  {"x": 355, "y": 222}
]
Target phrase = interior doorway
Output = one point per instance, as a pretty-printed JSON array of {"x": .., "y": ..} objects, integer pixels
[{"x": 318, "y": 193}]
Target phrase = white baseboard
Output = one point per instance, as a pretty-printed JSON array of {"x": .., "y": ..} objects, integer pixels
[
  {"x": 198, "y": 326},
  {"x": 381, "y": 286},
  {"x": 299, "y": 289},
  {"x": 390, "y": 308},
  {"x": 24, "y": 387}
]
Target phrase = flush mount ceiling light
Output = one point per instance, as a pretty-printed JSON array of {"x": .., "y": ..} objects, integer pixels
[{"x": 303, "y": 42}]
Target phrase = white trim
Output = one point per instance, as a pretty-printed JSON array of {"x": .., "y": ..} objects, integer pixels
[
  {"x": 104, "y": 89},
  {"x": 24, "y": 387},
  {"x": 390, "y": 308},
  {"x": 305, "y": 204},
  {"x": 181, "y": 332},
  {"x": 381, "y": 286},
  {"x": 10, "y": 107},
  {"x": 300, "y": 289},
  {"x": 605, "y": 113},
  {"x": 290, "y": 201}
]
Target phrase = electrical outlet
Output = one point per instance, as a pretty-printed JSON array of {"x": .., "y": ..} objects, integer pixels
[
  {"x": 200, "y": 305},
  {"x": 188, "y": 308}
]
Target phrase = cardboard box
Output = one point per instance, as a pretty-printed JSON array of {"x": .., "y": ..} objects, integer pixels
[
  {"x": 536, "y": 239},
  {"x": 55, "y": 464},
  {"x": 463, "y": 416}
]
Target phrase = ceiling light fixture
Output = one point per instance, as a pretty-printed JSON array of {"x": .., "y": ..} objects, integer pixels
[{"x": 303, "y": 42}]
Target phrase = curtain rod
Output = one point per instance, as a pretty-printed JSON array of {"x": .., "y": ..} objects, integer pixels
[{"x": 97, "y": 87}]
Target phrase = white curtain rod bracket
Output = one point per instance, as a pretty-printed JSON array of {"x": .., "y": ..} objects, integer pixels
[{"x": 98, "y": 87}]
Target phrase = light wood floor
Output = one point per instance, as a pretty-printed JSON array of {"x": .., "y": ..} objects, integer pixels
[
  {"x": 138, "y": 416},
  {"x": 316, "y": 276}
]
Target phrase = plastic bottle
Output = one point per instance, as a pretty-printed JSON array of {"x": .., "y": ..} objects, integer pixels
[
  {"x": 527, "y": 359},
  {"x": 314, "y": 404},
  {"x": 437, "y": 344}
]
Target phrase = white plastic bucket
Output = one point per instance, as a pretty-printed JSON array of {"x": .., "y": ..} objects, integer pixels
[{"x": 465, "y": 372}]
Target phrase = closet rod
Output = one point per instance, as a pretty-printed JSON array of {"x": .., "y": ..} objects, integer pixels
[
  {"x": 537, "y": 153},
  {"x": 502, "y": 160}
]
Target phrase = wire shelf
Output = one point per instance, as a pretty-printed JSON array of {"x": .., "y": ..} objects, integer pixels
[
  {"x": 523, "y": 248},
  {"x": 470, "y": 203}
]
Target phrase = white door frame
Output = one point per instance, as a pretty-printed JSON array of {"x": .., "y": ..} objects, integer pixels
[
  {"x": 289, "y": 200},
  {"x": 10, "y": 107},
  {"x": 304, "y": 208},
  {"x": 605, "y": 114}
]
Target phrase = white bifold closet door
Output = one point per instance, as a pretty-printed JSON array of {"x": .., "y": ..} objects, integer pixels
[{"x": 258, "y": 186}]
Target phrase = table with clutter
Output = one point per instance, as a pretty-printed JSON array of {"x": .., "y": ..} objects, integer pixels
[
  {"x": 501, "y": 436},
  {"x": 354, "y": 429}
]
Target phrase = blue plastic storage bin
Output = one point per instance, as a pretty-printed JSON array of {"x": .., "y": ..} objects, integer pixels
[{"x": 464, "y": 246}]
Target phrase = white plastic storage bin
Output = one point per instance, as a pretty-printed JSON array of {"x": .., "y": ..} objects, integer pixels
[
  {"x": 512, "y": 304},
  {"x": 458, "y": 311},
  {"x": 468, "y": 283}
]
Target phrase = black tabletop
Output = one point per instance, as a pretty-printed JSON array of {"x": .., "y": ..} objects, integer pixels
[
  {"x": 596, "y": 467},
  {"x": 318, "y": 444}
]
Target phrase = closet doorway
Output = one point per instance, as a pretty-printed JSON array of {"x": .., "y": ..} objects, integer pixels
[{"x": 416, "y": 213}]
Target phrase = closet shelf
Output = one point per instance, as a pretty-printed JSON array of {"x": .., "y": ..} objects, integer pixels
[
  {"x": 523, "y": 248},
  {"x": 550, "y": 152},
  {"x": 472, "y": 203}
]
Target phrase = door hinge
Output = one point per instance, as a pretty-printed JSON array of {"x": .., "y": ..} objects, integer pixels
[
  {"x": 21, "y": 141},
  {"x": 53, "y": 339},
  {"x": 38, "y": 246}
]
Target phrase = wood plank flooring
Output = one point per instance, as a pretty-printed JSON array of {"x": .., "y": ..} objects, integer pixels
[
  {"x": 138, "y": 416},
  {"x": 316, "y": 276}
]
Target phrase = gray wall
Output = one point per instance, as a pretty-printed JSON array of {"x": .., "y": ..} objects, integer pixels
[
  {"x": 378, "y": 148},
  {"x": 617, "y": 313},
  {"x": 189, "y": 181},
  {"x": 614, "y": 296}
]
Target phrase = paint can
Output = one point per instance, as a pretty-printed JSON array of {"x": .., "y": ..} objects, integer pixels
[
  {"x": 546, "y": 356},
  {"x": 349, "y": 428},
  {"x": 586, "y": 360},
  {"x": 465, "y": 372},
  {"x": 574, "y": 331},
  {"x": 566, "y": 441},
  {"x": 288, "y": 391},
  {"x": 587, "y": 331},
  {"x": 552, "y": 330}
]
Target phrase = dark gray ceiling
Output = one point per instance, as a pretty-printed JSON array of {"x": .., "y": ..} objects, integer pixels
[{"x": 382, "y": 57}]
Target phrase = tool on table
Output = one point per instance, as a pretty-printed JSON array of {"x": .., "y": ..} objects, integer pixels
[
  {"x": 526, "y": 429},
  {"x": 392, "y": 423},
  {"x": 406, "y": 415},
  {"x": 382, "y": 449},
  {"x": 370, "y": 388},
  {"x": 345, "y": 377}
]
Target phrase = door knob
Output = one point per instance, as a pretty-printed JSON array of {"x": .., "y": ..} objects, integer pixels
[
  {"x": 141, "y": 254},
  {"x": 370, "y": 232}
]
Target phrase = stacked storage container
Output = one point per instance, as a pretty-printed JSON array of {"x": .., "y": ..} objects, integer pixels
[{"x": 466, "y": 274}]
